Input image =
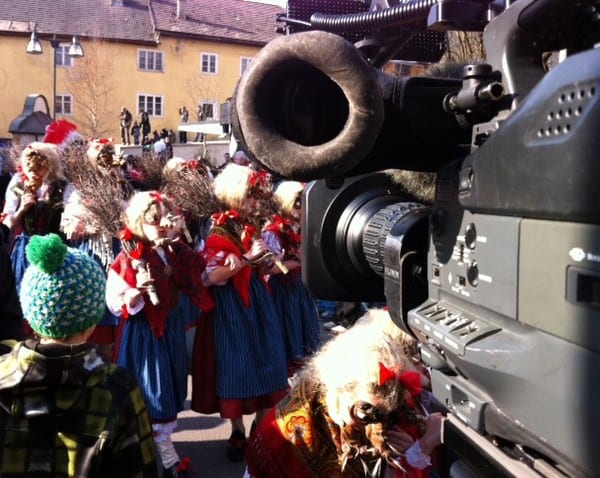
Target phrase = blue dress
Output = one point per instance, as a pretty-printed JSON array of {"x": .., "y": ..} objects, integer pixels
[
  {"x": 152, "y": 343},
  {"x": 249, "y": 346},
  {"x": 296, "y": 307},
  {"x": 160, "y": 364},
  {"x": 295, "y": 304}
]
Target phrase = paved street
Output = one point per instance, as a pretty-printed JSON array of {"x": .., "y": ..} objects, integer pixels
[{"x": 203, "y": 438}]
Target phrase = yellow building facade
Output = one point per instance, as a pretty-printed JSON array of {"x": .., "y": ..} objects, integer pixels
[{"x": 162, "y": 74}]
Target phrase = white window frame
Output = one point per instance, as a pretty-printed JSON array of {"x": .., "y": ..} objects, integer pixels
[
  {"x": 144, "y": 56},
  {"x": 208, "y": 58},
  {"x": 62, "y": 57},
  {"x": 61, "y": 101},
  {"x": 150, "y": 103},
  {"x": 245, "y": 62},
  {"x": 215, "y": 109}
]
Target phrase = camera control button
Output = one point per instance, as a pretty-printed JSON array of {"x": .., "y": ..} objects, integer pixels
[
  {"x": 470, "y": 235},
  {"x": 473, "y": 274}
]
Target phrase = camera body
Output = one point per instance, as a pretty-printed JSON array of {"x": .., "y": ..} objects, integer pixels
[{"x": 488, "y": 251}]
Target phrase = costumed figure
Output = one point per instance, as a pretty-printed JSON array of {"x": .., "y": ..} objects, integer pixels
[
  {"x": 34, "y": 200},
  {"x": 294, "y": 302},
  {"x": 191, "y": 191},
  {"x": 189, "y": 184},
  {"x": 91, "y": 218},
  {"x": 83, "y": 232},
  {"x": 246, "y": 333},
  {"x": 101, "y": 153},
  {"x": 354, "y": 411},
  {"x": 143, "y": 287}
]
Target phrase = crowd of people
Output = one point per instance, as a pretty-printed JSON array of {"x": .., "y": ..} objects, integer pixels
[
  {"x": 107, "y": 262},
  {"x": 140, "y": 133}
]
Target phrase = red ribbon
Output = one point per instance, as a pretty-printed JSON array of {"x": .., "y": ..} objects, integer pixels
[
  {"x": 259, "y": 178},
  {"x": 139, "y": 250},
  {"x": 410, "y": 379},
  {"x": 260, "y": 186},
  {"x": 184, "y": 465},
  {"x": 280, "y": 222},
  {"x": 125, "y": 234},
  {"x": 157, "y": 196},
  {"x": 221, "y": 218},
  {"x": 247, "y": 235}
]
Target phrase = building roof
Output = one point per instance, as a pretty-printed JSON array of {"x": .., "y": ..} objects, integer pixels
[
  {"x": 228, "y": 20},
  {"x": 34, "y": 118},
  {"x": 143, "y": 21}
]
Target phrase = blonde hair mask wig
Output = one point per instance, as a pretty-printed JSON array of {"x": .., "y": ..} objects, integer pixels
[
  {"x": 232, "y": 184},
  {"x": 285, "y": 196},
  {"x": 347, "y": 367}
]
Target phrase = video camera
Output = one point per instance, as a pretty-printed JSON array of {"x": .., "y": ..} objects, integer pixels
[{"x": 485, "y": 239}]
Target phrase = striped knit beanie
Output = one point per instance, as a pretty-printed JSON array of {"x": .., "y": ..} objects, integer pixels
[{"x": 62, "y": 292}]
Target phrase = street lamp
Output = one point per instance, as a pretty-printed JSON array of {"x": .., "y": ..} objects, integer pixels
[{"x": 34, "y": 47}]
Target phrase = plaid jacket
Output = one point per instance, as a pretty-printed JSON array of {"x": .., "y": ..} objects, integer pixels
[{"x": 65, "y": 413}]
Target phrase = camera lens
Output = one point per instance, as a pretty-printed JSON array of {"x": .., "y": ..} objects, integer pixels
[{"x": 400, "y": 215}]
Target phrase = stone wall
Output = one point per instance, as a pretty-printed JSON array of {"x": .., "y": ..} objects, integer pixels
[{"x": 214, "y": 150}]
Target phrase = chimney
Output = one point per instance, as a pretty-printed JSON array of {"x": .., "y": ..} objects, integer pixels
[{"x": 180, "y": 10}]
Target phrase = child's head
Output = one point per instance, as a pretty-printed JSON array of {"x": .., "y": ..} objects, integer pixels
[
  {"x": 62, "y": 292},
  {"x": 241, "y": 158}
]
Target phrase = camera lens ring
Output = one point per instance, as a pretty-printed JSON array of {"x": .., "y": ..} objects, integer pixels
[{"x": 381, "y": 224}]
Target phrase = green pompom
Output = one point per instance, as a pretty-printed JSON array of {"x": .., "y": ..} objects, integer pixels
[{"x": 46, "y": 252}]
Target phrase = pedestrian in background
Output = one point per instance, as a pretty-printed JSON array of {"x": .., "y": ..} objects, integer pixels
[
  {"x": 136, "y": 131},
  {"x": 64, "y": 411},
  {"x": 239, "y": 157},
  {"x": 145, "y": 123},
  {"x": 200, "y": 116},
  {"x": 125, "y": 123},
  {"x": 184, "y": 115}
]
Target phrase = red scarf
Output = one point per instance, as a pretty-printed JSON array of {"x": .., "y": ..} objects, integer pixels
[{"x": 241, "y": 280}]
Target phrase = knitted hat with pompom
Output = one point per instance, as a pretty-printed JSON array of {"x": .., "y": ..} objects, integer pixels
[{"x": 62, "y": 292}]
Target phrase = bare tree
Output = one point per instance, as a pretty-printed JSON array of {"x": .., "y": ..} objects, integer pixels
[
  {"x": 92, "y": 84},
  {"x": 203, "y": 88},
  {"x": 464, "y": 47}
]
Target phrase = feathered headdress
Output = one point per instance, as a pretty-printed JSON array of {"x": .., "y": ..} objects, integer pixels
[{"x": 62, "y": 133}]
